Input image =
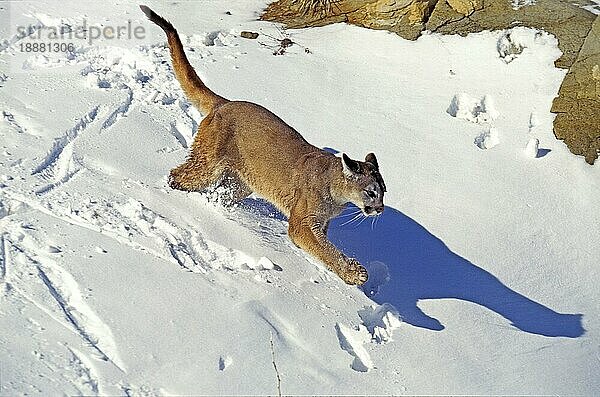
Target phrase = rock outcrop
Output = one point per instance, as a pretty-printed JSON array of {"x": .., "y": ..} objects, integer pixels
[
  {"x": 404, "y": 17},
  {"x": 578, "y": 103}
]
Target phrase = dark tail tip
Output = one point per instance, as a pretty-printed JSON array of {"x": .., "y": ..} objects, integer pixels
[
  {"x": 149, "y": 13},
  {"x": 157, "y": 19}
]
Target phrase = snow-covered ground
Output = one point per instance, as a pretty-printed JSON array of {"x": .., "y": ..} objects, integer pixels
[{"x": 484, "y": 267}]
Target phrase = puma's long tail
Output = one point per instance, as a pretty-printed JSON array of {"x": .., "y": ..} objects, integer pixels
[{"x": 199, "y": 94}]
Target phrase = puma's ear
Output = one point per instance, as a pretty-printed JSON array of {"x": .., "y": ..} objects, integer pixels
[
  {"x": 372, "y": 159},
  {"x": 351, "y": 167}
]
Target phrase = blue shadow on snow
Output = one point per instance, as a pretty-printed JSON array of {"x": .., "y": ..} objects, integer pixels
[{"x": 406, "y": 264}]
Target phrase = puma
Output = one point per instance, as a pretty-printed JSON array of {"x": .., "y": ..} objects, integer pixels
[{"x": 250, "y": 149}]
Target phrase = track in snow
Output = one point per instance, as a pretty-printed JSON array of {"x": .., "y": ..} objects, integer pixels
[{"x": 59, "y": 165}]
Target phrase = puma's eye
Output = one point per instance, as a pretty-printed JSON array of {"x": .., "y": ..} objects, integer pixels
[{"x": 370, "y": 193}]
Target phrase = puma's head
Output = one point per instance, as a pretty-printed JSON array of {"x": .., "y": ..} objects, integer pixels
[{"x": 364, "y": 184}]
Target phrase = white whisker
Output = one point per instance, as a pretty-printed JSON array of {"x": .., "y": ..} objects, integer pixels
[
  {"x": 361, "y": 221},
  {"x": 350, "y": 214},
  {"x": 352, "y": 220}
]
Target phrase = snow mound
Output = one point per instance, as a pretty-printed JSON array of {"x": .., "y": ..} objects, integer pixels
[
  {"x": 381, "y": 321},
  {"x": 216, "y": 38},
  {"x": 531, "y": 150},
  {"x": 513, "y": 42},
  {"x": 487, "y": 139},
  {"x": 224, "y": 362},
  {"x": 352, "y": 341},
  {"x": 476, "y": 110}
]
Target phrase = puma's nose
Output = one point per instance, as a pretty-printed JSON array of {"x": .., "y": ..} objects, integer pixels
[{"x": 379, "y": 210}]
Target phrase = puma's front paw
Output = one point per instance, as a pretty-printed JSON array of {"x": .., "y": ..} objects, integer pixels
[{"x": 354, "y": 273}]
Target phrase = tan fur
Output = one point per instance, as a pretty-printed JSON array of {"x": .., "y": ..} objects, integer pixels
[{"x": 255, "y": 151}]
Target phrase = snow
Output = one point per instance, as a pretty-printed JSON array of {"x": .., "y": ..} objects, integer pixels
[
  {"x": 483, "y": 267},
  {"x": 516, "y": 4},
  {"x": 594, "y": 8},
  {"x": 487, "y": 139},
  {"x": 532, "y": 148},
  {"x": 463, "y": 106}
]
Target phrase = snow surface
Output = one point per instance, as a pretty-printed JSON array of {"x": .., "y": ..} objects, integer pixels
[
  {"x": 594, "y": 8},
  {"x": 483, "y": 269}
]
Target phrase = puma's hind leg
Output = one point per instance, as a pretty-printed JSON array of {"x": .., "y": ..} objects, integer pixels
[
  {"x": 193, "y": 175},
  {"x": 204, "y": 165}
]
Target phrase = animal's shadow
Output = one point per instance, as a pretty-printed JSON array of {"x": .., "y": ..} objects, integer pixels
[{"x": 407, "y": 264}]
